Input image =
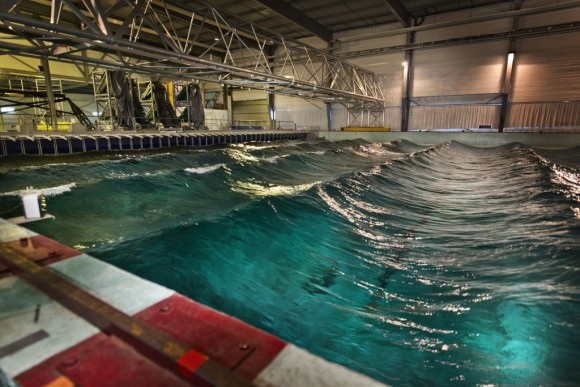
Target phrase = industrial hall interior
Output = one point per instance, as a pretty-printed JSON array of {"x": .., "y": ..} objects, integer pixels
[
  {"x": 289, "y": 193},
  {"x": 78, "y": 67}
]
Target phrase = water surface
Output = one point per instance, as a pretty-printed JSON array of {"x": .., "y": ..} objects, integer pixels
[{"x": 444, "y": 265}]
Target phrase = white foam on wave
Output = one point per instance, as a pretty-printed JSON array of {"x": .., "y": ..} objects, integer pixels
[
  {"x": 126, "y": 175},
  {"x": 206, "y": 169},
  {"x": 258, "y": 190},
  {"x": 272, "y": 160},
  {"x": 50, "y": 191}
]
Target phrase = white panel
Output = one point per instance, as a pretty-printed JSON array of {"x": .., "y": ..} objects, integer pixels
[
  {"x": 393, "y": 118},
  {"x": 250, "y": 107},
  {"x": 249, "y": 95},
  {"x": 547, "y": 69},
  {"x": 285, "y": 103},
  {"x": 126, "y": 292},
  {"x": 216, "y": 119},
  {"x": 339, "y": 117},
  {"x": 310, "y": 119},
  {"x": 466, "y": 69},
  {"x": 389, "y": 71},
  {"x": 544, "y": 115},
  {"x": 453, "y": 117}
]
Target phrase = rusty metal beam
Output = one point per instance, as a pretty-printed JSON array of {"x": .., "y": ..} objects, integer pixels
[{"x": 159, "y": 347}]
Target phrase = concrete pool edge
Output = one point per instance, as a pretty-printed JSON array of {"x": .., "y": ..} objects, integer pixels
[
  {"x": 536, "y": 140},
  {"x": 72, "y": 350}
]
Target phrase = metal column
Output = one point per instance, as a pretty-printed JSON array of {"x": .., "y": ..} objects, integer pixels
[
  {"x": 407, "y": 84},
  {"x": 49, "y": 92},
  {"x": 509, "y": 69}
]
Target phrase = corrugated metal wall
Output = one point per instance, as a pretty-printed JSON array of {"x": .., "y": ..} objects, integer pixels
[
  {"x": 466, "y": 69},
  {"x": 546, "y": 81},
  {"x": 302, "y": 112},
  {"x": 250, "y": 106},
  {"x": 547, "y": 69},
  {"x": 453, "y": 117}
]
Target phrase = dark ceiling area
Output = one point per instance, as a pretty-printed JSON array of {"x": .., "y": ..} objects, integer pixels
[{"x": 322, "y": 18}]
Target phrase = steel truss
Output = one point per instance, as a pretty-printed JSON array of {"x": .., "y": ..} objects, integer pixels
[{"x": 192, "y": 41}]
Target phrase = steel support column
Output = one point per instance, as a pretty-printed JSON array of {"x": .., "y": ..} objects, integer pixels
[
  {"x": 407, "y": 84},
  {"x": 272, "y": 110},
  {"x": 509, "y": 69},
  {"x": 329, "y": 115},
  {"x": 49, "y": 92}
]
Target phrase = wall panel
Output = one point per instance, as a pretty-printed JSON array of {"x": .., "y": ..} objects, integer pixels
[
  {"x": 453, "y": 117},
  {"x": 455, "y": 70},
  {"x": 547, "y": 68}
]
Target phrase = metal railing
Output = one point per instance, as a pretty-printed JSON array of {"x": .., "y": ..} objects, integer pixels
[{"x": 27, "y": 124}]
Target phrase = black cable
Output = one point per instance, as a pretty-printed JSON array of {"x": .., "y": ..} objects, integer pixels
[{"x": 10, "y": 210}]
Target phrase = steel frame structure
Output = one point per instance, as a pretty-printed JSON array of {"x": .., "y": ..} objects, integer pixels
[{"x": 192, "y": 41}]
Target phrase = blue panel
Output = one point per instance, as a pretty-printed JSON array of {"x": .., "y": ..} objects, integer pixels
[
  {"x": 91, "y": 144},
  {"x": 77, "y": 145},
  {"x": 146, "y": 142},
  {"x": 115, "y": 143},
  {"x": 12, "y": 147},
  {"x": 47, "y": 147},
  {"x": 103, "y": 144},
  {"x": 31, "y": 147},
  {"x": 62, "y": 146},
  {"x": 126, "y": 142}
]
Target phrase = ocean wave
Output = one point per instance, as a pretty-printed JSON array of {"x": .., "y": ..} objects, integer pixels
[
  {"x": 258, "y": 190},
  {"x": 206, "y": 169},
  {"x": 50, "y": 191}
]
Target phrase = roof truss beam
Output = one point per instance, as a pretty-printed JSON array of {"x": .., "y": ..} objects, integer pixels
[
  {"x": 247, "y": 59},
  {"x": 399, "y": 11},
  {"x": 298, "y": 18}
]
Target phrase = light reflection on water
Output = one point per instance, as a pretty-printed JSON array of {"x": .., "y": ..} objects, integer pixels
[{"x": 415, "y": 265}]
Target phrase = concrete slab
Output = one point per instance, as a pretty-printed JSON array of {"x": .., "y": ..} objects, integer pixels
[
  {"x": 24, "y": 311},
  {"x": 120, "y": 289},
  {"x": 294, "y": 367},
  {"x": 10, "y": 232}
]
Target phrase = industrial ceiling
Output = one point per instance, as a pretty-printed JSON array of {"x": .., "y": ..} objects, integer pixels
[
  {"x": 322, "y": 18},
  {"x": 256, "y": 44}
]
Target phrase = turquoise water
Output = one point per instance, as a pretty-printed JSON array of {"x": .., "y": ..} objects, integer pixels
[{"x": 444, "y": 265}]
